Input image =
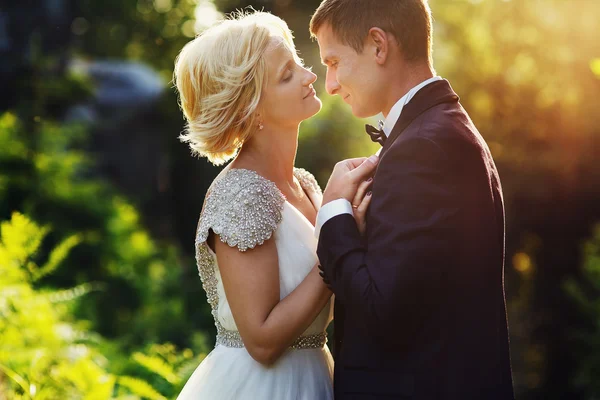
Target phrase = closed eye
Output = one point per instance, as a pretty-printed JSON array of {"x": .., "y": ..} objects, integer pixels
[
  {"x": 329, "y": 62},
  {"x": 288, "y": 77}
]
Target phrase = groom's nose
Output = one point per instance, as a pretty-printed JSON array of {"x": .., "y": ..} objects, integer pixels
[{"x": 331, "y": 84}]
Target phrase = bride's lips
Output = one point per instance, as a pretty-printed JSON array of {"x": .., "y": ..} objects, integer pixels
[{"x": 311, "y": 93}]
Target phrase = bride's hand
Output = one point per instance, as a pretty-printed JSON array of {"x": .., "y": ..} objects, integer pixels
[{"x": 360, "y": 205}]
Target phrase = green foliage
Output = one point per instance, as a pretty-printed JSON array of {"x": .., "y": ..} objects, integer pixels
[
  {"x": 52, "y": 178},
  {"x": 41, "y": 354},
  {"x": 166, "y": 368},
  {"x": 117, "y": 281},
  {"x": 158, "y": 366},
  {"x": 524, "y": 71},
  {"x": 140, "y": 388},
  {"x": 585, "y": 294},
  {"x": 142, "y": 30},
  {"x": 113, "y": 261},
  {"x": 46, "y": 354}
]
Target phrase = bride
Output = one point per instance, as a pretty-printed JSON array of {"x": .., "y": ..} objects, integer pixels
[{"x": 244, "y": 91}]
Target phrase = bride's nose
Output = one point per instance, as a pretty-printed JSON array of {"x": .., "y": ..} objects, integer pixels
[{"x": 309, "y": 77}]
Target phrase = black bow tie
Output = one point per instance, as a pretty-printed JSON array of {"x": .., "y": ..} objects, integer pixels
[{"x": 377, "y": 135}]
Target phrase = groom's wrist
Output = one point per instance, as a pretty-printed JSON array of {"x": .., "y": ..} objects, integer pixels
[
  {"x": 330, "y": 197},
  {"x": 330, "y": 210}
]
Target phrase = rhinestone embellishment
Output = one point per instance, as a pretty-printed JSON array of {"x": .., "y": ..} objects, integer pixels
[{"x": 244, "y": 209}]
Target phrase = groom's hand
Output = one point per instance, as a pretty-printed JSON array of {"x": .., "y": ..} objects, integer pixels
[{"x": 347, "y": 175}]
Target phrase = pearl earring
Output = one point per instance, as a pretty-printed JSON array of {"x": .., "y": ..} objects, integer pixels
[{"x": 260, "y": 126}]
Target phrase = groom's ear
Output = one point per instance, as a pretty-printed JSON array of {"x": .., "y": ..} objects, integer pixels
[{"x": 379, "y": 40}]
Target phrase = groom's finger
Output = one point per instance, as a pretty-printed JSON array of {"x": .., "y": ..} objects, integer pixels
[
  {"x": 364, "y": 170},
  {"x": 354, "y": 162}
]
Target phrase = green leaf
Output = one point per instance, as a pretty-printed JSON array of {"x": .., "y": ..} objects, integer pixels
[
  {"x": 158, "y": 366},
  {"x": 78, "y": 291},
  {"x": 58, "y": 254},
  {"x": 20, "y": 238},
  {"x": 140, "y": 387},
  {"x": 15, "y": 377}
]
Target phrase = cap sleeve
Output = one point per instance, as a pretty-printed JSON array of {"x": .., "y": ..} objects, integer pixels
[{"x": 243, "y": 208}]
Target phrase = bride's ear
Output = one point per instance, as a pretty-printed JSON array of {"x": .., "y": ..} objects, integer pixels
[{"x": 378, "y": 39}]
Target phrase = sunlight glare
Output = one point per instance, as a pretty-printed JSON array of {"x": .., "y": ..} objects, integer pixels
[
  {"x": 163, "y": 6},
  {"x": 595, "y": 66},
  {"x": 206, "y": 15}
]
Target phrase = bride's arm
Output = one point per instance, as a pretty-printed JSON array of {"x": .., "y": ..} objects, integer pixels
[{"x": 267, "y": 325}]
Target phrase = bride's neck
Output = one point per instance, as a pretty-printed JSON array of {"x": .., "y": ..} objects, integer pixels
[{"x": 271, "y": 153}]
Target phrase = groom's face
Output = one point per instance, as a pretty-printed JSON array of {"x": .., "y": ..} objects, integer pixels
[{"x": 355, "y": 77}]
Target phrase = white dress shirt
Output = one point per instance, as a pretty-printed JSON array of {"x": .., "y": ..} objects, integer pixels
[{"x": 343, "y": 206}]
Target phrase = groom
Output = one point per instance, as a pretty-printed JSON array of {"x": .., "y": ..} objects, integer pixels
[{"x": 420, "y": 309}]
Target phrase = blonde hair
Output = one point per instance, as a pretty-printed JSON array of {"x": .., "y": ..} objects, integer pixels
[{"x": 220, "y": 76}]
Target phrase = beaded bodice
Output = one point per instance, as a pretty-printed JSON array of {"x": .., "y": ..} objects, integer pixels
[{"x": 245, "y": 210}]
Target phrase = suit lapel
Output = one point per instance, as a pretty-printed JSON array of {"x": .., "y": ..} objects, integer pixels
[{"x": 431, "y": 95}]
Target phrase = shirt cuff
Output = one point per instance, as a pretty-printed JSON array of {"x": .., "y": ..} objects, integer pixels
[{"x": 330, "y": 210}]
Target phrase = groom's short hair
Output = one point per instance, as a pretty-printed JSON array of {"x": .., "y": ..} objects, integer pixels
[{"x": 350, "y": 20}]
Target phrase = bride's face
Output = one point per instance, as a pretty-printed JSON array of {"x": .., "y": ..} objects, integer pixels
[{"x": 288, "y": 97}]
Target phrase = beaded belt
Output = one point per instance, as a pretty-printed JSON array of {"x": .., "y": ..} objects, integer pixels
[{"x": 233, "y": 339}]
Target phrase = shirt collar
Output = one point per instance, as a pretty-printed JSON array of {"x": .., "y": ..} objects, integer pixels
[{"x": 396, "y": 110}]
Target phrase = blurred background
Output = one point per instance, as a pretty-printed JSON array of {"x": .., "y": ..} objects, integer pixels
[{"x": 99, "y": 293}]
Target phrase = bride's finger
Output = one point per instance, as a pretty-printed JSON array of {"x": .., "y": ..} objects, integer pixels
[
  {"x": 360, "y": 213},
  {"x": 364, "y": 205},
  {"x": 360, "y": 192}
]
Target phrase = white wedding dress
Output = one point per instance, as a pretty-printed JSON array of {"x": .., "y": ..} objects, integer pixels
[{"x": 245, "y": 209}]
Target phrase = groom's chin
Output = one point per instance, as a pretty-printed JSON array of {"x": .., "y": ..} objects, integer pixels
[{"x": 359, "y": 112}]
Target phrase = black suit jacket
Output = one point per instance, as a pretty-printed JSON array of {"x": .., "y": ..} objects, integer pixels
[{"x": 420, "y": 309}]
